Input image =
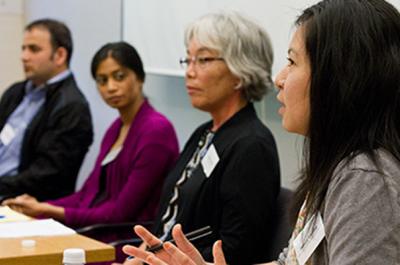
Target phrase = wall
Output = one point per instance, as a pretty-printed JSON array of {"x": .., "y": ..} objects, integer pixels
[
  {"x": 161, "y": 44},
  {"x": 11, "y": 31},
  {"x": 91, "y": 27}
]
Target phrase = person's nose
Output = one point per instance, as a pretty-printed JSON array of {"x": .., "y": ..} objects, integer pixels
[
  {"x": 190, "y": 70},
  {"x": 24, "y": 55},
  {"x": 112, "y": 86},
  {"x": 280, "y": 79}
]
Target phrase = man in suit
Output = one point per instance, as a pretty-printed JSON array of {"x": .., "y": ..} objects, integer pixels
[{"x": 45, "y": 121}]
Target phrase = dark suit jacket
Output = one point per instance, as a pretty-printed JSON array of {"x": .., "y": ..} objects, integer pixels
[
  {"x": 54, "y": 144},
  {"x": 238, "y": 199}
]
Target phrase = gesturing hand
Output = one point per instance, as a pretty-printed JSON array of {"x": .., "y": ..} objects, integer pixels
[{"x": 184, "y": 253}]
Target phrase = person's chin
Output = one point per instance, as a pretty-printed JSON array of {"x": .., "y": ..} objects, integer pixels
[
  {"x": 291, "y": 128},
  {"x": 113, "y": 105},
  {"x": 285, "y": 125},
  {"x": 195, "y": 102},
  {"x": 202, "y": 107},
  {"x": 29, "y": 75},
  {"x": 281, "y": 111}
]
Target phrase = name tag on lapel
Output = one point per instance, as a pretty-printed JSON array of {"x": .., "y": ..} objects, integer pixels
[
  {"x": 7, "y": 134},
  {"x": 210, "y": 160},
  {"x": 309, "y": 238}
]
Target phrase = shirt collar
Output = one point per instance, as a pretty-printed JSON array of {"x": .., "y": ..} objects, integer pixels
[{"x": 61, "y": 76}]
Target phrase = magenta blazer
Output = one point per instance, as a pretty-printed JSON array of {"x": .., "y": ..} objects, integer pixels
[{"x": 133, "y": 180}]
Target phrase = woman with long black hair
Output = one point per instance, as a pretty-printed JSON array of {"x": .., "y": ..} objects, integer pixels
[{"x": 341, "y": 90}]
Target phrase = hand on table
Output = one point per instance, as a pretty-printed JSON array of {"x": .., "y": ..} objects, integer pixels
[
  {"x": 25, "y": 204},
  {"x": 30, "y": 206}
]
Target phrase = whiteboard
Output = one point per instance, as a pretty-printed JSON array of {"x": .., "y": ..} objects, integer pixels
[{"x": 156, "y": 27}]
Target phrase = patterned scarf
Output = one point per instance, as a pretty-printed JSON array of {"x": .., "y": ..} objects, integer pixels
[{"x": 300, "y": 223}]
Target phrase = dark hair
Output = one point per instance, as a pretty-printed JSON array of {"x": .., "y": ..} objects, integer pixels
[
  {"x": 354, "y": 52},
  {"x": 60, "y": 35},
  {"x": 122, "y": 52}
]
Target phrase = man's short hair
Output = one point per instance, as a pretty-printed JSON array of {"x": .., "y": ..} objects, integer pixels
[{"x": 60, "y": 35}]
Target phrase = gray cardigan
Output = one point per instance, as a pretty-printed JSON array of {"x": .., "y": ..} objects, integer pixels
[{"x": 361, "y": 214}]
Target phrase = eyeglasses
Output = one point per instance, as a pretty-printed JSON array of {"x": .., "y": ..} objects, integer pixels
[{"x": 201, "y": 62}]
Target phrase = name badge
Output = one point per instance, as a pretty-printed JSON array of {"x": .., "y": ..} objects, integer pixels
[
  {"x": 7, "y": 134},
  {"x": 210, "y": 160},
  {"x": 309, "y": 238}
]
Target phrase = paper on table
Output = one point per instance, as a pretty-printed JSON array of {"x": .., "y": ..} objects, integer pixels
[
  {"x": 8, "y": 215},
  {"x": 46, "y": 227}
]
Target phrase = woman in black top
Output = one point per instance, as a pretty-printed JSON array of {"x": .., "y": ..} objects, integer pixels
[{"x": 230, "y": 164}]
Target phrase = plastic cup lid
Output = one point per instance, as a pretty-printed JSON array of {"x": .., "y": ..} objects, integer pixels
[
  {"x": 28, "y": 243},
  {"x": 74, "y": 255}
]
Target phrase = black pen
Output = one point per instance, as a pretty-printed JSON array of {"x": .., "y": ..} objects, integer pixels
[{"x": 192, "y": 236}]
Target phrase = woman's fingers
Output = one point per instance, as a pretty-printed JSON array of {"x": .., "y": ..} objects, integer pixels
[
  {"x": 6, "y": 202},
  {"x": 25, "y": 196},
  {"x": 185, "y": 246},
  {"x": 148, "y": 238},
  {"x": 136, "y": 252},
  {"x": 178, "y": 256},
  {"x": 219, "y": 257},
  {"x": 14, "y": 202},
  {"x": 181, "y": 240},
  {"x": 183, "y": 254},
  {"x": 153, "y": 260},
  {"x": 14, "y": 205}
]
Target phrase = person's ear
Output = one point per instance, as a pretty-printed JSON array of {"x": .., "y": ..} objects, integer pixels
[
  {"x": 238, "y": 85},
  {"x": 60, "y": 56}
]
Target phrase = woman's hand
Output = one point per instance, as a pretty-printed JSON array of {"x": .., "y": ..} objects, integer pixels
[
  {"x": 30, "y": 206},
  {"x": 25, "y": 204},
  {"x": 20, "y": 198},
  {"x": 184, "y": 253},
  {"x": 140, "y": 253}
]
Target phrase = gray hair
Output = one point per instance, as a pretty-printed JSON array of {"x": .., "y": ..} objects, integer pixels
[{"x": 244, "y": 45}]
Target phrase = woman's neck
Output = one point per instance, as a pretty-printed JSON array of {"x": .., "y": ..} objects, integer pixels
[
  {"x": 221, "y": 115},
  {"x": 128, "y": 114}
]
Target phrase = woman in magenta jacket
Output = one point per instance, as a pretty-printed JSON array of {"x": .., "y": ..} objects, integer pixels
[{"x": 136, "y": 153}]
